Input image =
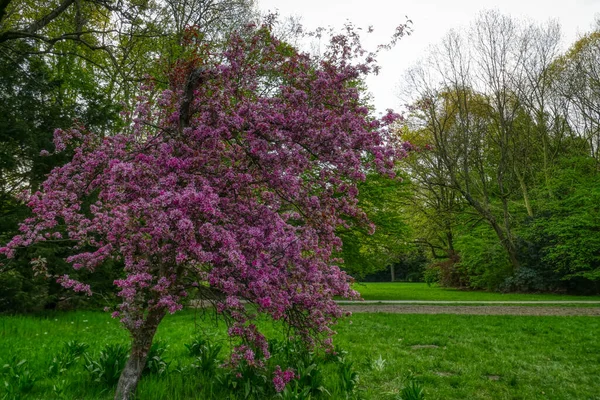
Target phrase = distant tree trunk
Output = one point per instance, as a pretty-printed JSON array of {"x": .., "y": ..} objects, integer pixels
[
  {"x": 504, "y": 236},
  {"x": 393, "y": 272},
  {"x": 140, "y": 345},
  {"x": 524, "y": 191}
]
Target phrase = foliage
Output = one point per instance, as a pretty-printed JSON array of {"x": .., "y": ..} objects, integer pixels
[
  {"x": 507, "y": 180},
  {"x": 366, "y": 252},
  {"x": 412, "y": 389},
  {"x": 18, "y": 378},
  {"x": 155, "y": 362},
  {"x": 566, "y": 233},
  {"x": 206, "y": 353},
  {"x": 38, "y": 96},
  {"x": 483, "y": 261},
  {"x": 447, "y": 273},
  {"x": 70, "y": 353}
]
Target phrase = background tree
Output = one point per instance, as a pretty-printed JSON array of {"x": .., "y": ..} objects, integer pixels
[
  {"x": 506, "y": 117},
  {"x": 369, "y": 249}
]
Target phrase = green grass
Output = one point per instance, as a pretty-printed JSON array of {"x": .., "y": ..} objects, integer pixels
[
  {"x": 531, "y": 357},
  {"x": 456, "y": 356},
  {"x": 420, "y": 291}
]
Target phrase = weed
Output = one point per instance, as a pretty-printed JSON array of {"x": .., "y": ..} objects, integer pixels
[
  {"x": 195, "y": 348},
  {"x": 207, "y": 355},
  {"x": 348, "y": 376},
  {"x": 413, "y": 390},
  {"x": 18, "y": 378},
  {"x": 69, "y": 354},
  {"x": 293, "y": 391},
  {"x": 59, "y": 389},
  {"x": 378, "y": 364},
  {"x": 155, "y": 362},
  {"x": 107, "y": 368}
]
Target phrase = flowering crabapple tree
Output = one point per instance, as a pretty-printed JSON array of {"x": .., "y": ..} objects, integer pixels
[{"x": 233, "y": 180}]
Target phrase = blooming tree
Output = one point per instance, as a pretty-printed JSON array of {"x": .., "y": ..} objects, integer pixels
[{"x": 235, "y": 179}]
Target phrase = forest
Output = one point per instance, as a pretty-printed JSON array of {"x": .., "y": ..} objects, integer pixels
[{"x": 501, "y": 190}]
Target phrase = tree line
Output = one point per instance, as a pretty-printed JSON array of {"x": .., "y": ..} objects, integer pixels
[{"x": 505, "y": 187}]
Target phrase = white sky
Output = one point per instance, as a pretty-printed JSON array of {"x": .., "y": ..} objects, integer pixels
[{"x": 432, "y": 19}]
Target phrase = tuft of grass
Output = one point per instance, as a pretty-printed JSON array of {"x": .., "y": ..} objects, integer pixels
[{"x": 107, "y": 367}]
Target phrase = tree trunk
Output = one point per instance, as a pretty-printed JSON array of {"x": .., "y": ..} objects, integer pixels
[
  {"x": 140, "y": 345},
  {"x": 393, "y": 272},
  {"x": 525, "y": 192},
  {"x": 507, "y": 243},
  {"x": 504, "y": 237}
]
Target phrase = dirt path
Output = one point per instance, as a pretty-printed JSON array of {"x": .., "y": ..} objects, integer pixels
[{"x": 472, "y": 310}]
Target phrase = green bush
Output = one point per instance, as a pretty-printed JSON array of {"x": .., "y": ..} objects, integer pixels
[{"x": 482, "y": 259}]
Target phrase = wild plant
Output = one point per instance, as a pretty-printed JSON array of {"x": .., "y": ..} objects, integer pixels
[
  {"x": 18, "y": 378},
  {"x": 348, "y": 376},
  {"x": 69, "y": 354},
  {"x": 378, "y": 364},
  {"x": 106, "y": 369},
  {"x": 206, "y": 353},
  {"x": 412, "y": 390},
  {"x": 155, "y": 362}
]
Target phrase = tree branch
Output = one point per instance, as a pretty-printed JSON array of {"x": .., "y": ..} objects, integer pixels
[{"x": 42, "y": 22}]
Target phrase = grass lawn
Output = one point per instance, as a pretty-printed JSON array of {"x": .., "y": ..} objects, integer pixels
[
  {"x": 454, "y": 356},
  {"x": 420, "y": 291}
]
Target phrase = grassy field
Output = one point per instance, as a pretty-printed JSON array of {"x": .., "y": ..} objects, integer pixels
[
  {"x": 420, "y": 291},
  {"x": 454, "y": 357}
]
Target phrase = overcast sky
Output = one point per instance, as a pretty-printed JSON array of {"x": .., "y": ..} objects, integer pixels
[{"x": 432, "y": 19}]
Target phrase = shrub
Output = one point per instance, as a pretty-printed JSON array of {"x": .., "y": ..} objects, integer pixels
[
  {"x": 447, "y": 273},
  {"x": 483, "y": 260}
]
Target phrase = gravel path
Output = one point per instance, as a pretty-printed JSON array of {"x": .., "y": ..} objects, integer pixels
[{"x": 472, "y": 310}]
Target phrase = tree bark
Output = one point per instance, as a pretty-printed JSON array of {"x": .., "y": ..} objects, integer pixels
[
  {"x": 525, "y": 192},
  {"x": 140, "y": 345}
]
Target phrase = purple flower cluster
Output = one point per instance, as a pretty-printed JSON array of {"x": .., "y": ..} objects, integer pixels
[{"x": 281, "y": 378}]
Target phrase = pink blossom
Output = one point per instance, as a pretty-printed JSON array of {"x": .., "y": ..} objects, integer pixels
[
  {"x": 77, "y": 286},
  {"x": 281, "y": 378}
]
